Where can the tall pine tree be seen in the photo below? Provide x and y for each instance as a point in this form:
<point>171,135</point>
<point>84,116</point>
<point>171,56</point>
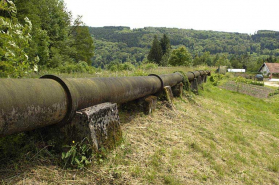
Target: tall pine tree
<point>166,48</point>
<point>155,53</point>
<point>165,44</point>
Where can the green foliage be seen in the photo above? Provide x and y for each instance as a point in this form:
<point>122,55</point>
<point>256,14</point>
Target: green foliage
<point>6,69</point>
<point>166,48</point>
<point>186,83</point>
<point>204,59</point>
<point>165,44</point>
<point>116,66</point>
<point>206,47</point>
<point>222,61</point>
<point>49,42</point>
<point>274,93</point>
<point>180,57</point>
<point>148,66</point>
<point>215,79</point>
<point>24,147</point>
<point>14,41</point>
<point>81,67</point>
<point>139,72</point>
<point>82,43</point>
<point>79,155</point>
<point>155,53</point>
<point>8,149</point>
<point>240,79</point>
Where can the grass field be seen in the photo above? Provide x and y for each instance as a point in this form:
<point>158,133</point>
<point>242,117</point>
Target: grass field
<point>217,137</point>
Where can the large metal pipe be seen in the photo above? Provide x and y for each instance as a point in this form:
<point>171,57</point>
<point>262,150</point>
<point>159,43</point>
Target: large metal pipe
<point>26,104</point>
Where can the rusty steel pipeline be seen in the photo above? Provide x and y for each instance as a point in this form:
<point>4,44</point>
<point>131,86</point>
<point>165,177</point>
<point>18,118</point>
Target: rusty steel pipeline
<point>26,104</point>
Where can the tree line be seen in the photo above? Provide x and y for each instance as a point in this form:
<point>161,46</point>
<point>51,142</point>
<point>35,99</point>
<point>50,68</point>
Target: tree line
<point>41,34</point>
<point>122,44</point>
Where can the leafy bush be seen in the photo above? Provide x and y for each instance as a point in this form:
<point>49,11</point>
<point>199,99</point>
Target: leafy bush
<point>14,41</point>
<point>139,72</point>
<point>215,78</point>
<point>127,66</point>
<point>274,93</point>
<point>149,66</point>
<point>248,81</point>
<point>180,57</point>
<point>116,66</point>
<point>79,155</point>
<point>5,69</point>
<point>81,67</point>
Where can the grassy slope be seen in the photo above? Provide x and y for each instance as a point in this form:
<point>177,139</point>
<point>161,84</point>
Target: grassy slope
<point>219,137</point>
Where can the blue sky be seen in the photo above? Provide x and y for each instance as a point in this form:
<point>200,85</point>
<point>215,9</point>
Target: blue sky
<point>244,16</point>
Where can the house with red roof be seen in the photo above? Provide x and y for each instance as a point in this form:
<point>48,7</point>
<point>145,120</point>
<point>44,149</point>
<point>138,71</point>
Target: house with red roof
<point>270,69</point>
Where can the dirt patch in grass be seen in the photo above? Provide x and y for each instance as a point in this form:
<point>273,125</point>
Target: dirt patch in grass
<point>252,90</point>
<point>272,84</point>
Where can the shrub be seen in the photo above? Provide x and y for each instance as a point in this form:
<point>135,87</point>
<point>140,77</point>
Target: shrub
<point>5,69</point>
<point>248,81</point>
<point>215,78</point>
<point>116,66</point>
<point>81,67</point>
<point>149,66</point>
<point>127,66</point>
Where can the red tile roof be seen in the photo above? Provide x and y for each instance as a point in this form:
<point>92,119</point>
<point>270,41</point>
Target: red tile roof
<point>273,67</point>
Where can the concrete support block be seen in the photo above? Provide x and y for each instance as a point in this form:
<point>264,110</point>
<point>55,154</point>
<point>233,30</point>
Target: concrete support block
<point>99,124</point>
<point>177,90</point>
<point>146,104</point>
<point>199,80</point>
<point>150,103</point>
<point>202,78</point>
<point>195,86</point>
<point>168,94</point>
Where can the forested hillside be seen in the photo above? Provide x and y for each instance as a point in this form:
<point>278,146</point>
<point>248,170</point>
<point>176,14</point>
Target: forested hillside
<point>42,35</point>
<point>122,44</point>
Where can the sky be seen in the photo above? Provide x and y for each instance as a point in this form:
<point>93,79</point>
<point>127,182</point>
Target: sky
<point>243,16</point>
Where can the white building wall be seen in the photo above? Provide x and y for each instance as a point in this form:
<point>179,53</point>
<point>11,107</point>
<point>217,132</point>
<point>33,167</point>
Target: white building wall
<point>264,70</point>
<point>236,70</point>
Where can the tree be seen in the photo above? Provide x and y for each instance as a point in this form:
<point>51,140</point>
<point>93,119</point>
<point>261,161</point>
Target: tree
<point>82,42</point>
<point>223,61</point>
<point>50,40</point>
<point>204,59</point>
<point>235,63</point>
<point>54,40</point>
<point>166,47</point>
<point>165,44</point>
<point>155,53</point>
<point>14,41</point>
<point>180,57</point>
<point>39,44</point>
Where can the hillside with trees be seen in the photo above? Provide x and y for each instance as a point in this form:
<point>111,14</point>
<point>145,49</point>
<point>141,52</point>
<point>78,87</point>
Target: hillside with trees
<point>43,35</point>
<point>238,50</point>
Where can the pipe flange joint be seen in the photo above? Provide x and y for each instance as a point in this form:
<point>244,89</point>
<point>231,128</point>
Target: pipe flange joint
<point>193,74</point>
<point>162,83</point>
<point>71,95</point>
<point>203,72</point>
